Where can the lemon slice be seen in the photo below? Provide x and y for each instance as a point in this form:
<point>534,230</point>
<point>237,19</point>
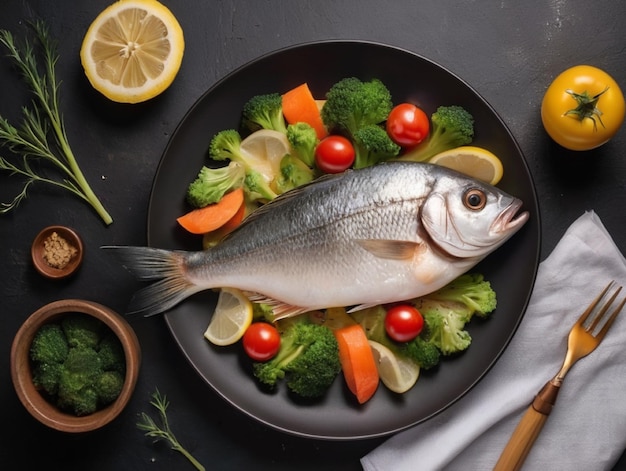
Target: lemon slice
<point>476,162</point>
<point>133,50</point>
<point>266,148</point>
<point>397,373</point>
<point>232,316</point>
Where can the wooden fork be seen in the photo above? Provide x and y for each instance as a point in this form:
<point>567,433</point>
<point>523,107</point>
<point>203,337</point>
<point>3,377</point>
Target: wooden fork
<point>581,342</point>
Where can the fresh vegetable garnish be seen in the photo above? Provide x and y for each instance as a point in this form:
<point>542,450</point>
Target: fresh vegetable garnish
<point>133,50</point>
<point>299,106</point>
<point>264,112</point>
<point>451,126</point>
<point>407,125</point>
<point>261,341</point>
<point>357,362</point>
<point>307,359</point>
<point>334,154</point>
<point>403,322</point>
<point>162,430</point>
<point>582,108</point>
<point>213,183</point>
<point>214,216</point>
<point>42,134</point>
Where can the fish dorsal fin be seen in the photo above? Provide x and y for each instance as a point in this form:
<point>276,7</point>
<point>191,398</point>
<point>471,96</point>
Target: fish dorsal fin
<point>391,249</point>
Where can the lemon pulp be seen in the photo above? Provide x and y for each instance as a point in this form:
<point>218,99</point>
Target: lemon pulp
<point>397,374</point>
<point>265,149</point>
<point>232,316</point>
<point>133,50</point>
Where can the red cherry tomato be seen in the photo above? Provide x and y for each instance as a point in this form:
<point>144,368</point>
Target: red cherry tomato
<point>407,125</point>
<point>334,154</point>
<point>261,341</point>
<point>403,322</point>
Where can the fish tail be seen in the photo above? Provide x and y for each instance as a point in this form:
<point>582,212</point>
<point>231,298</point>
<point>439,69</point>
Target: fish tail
<point>166,268</point>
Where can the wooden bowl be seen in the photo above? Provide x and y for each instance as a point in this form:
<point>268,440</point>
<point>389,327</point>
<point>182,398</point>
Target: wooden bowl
<point>36,404</point>
<point>39,252</point>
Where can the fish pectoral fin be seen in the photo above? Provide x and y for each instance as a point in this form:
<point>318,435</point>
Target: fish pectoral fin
<point>391,249</point>
<point>361,307</point>
<point>280,309</point>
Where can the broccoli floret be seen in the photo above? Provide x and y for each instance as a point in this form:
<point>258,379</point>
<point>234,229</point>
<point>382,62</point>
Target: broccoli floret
<point>212,183</point>
<point>82,330</point>
<point>423,352</point>
<point>293,173</point>
<point>46,377</point>
<point>446,325</point>
<point>77,381</point>
<point>303,140</point>
<point>226,145</point>
<point>352,104</point>
<point>263,312</point>
<point>308,358</point>
<point>257,188</point>
<point>108,386</point>
<point>49,345</point>
<point>264,112</point>
<point>372,145</point>
<point>451,126</point>
<point>111,354</point>
<point>472,290</point>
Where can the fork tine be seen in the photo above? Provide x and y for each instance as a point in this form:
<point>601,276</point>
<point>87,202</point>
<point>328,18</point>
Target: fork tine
<point>594,303</point>
<point>609,322</point>
<point>598,317</point>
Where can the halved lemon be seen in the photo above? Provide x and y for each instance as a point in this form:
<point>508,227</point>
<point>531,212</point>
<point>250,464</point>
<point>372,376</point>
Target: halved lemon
<point>397,373</point>
<point>265,149</point>
<point>232,316</point>
<point>133,50</point>
<point>474,161</point>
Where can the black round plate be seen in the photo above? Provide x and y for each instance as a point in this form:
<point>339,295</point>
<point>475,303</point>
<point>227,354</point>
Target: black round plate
<point>511,269</point>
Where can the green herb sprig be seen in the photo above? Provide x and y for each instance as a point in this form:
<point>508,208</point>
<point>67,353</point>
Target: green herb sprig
<point>41,135</point>
<point>162,431</point>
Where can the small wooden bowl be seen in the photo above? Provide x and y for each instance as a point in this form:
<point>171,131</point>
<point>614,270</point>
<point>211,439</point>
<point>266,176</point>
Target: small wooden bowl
<point>32,399</point>
<point>38,252</point>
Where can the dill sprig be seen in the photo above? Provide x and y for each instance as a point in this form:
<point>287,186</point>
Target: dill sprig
<point>41,135</point>
<point>162,431</point>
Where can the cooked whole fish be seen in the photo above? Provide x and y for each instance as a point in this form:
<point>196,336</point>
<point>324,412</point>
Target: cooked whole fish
<point>378,235</point>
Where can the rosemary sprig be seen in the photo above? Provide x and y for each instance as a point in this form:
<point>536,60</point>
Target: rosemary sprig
<point>163,431</point>
<point>41,134</point>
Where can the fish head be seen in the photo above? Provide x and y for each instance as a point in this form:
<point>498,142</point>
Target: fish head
<point>466,218</point>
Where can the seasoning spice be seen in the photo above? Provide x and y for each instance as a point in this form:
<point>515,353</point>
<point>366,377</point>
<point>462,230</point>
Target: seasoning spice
<point>58,252</point>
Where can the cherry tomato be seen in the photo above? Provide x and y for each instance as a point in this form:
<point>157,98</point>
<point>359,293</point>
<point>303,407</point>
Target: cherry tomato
<point>582,108</point>
<point>407,125</point>
<point>261,341</point>
<point>403,322</point>
<point>334,154</point>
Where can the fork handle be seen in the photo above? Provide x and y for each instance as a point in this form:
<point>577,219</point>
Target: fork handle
<point>528,429</point>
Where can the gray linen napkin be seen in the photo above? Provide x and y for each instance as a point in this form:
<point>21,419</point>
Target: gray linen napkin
<point>587,427</point>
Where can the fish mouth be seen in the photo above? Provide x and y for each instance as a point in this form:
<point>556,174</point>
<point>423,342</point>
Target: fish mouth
<point>510,220</point>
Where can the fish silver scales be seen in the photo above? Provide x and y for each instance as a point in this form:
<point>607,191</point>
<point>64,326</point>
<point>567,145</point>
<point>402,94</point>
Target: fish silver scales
<point>376,235</point>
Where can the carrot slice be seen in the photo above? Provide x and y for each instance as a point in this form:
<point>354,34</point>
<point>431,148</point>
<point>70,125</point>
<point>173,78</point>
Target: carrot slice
<point>213,216</point>
<point>299,106</point>
<point>357,362</point>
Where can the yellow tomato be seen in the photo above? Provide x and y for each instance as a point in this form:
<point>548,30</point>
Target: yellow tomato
<point>582,108</point>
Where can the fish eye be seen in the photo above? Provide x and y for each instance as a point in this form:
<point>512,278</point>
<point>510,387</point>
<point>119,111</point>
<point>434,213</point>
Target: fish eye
<point>475,199</point>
